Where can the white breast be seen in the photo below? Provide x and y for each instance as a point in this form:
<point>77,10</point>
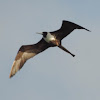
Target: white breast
<point>49,37</point>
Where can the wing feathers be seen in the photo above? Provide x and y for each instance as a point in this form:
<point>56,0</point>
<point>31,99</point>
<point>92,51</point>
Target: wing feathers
<point>66,28</point>
<point>20,60</point>
<point>26,52</point>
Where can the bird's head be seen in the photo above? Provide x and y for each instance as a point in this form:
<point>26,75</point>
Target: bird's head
<point>43,33</point>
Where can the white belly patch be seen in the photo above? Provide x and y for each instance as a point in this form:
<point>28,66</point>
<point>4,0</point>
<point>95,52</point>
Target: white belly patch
<point>49,38</point>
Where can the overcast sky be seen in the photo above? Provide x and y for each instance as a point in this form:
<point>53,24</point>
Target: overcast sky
<point>53,74</point>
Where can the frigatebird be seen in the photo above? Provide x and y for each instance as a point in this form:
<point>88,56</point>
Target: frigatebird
<point>50,39</point>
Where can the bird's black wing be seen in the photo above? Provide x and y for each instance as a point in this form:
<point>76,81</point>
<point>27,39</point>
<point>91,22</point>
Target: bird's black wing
<point>66,28</point>
<point>26,52</point>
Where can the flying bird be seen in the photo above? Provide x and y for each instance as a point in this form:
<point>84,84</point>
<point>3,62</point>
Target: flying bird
<point>49,39</point>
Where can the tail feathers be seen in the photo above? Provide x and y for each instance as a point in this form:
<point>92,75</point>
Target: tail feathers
<point>61,47</point>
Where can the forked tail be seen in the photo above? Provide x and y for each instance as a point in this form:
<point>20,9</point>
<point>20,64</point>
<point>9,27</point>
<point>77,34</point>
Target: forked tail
<point>61,47</point>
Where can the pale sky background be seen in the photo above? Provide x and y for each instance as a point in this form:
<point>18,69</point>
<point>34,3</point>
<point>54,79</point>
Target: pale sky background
<point>53,74</point>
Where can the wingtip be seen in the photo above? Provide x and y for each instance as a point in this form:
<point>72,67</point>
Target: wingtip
<point>87,30</point>
<point>79,27</point>
<point>13,70</point>
<point>10,76</point>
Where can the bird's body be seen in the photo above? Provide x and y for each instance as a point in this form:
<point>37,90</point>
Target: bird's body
<point>50,39</point>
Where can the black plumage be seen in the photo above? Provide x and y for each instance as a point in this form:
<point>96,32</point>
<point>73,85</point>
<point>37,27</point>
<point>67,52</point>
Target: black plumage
<point>50,39</point>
